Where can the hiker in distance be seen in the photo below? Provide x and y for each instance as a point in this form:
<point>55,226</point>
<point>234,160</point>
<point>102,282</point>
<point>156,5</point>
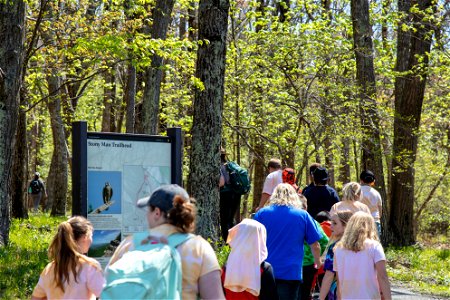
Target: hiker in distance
<point>37,190</point>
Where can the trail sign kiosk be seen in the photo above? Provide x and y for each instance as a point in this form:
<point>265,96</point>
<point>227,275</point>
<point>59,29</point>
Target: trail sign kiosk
<point>110,172</point>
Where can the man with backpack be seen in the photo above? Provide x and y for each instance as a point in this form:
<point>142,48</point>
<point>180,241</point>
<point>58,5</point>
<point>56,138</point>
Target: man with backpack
<point>36,189</point>
<point>234,182</point>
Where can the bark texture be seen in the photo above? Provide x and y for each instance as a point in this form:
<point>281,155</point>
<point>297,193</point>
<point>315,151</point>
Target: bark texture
<point>150,104</point>
<point>207,123</point>
<point>409,93</point>
<point>372,153</point>
<point>12,33</point>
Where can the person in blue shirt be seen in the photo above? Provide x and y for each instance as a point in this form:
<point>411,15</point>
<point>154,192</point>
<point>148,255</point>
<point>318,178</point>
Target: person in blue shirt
<point>288,227</point>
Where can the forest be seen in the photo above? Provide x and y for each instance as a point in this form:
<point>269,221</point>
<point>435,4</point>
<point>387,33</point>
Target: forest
<point>352,84</point>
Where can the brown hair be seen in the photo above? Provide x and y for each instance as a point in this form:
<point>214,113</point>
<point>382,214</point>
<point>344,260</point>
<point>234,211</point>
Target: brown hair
<point>274,163</point>
<point>63,250</point>
<point>183,214</point>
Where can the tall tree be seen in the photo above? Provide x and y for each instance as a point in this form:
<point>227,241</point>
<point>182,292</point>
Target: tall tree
<point>208,106</point>
<point>412,64</point>
<point>372,158</point>
<point>150,103</point>
<point>12,24</point>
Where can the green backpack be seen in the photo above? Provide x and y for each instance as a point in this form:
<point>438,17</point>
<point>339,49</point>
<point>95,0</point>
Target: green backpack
<point>151,271</point>
<point>239,180</point>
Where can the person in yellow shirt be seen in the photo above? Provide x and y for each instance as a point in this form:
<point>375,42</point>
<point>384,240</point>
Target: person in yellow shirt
<point>170,210</point>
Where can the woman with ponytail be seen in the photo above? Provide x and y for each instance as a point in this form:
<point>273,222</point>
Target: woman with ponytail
<point>169,211</point>
<point>70,274</point>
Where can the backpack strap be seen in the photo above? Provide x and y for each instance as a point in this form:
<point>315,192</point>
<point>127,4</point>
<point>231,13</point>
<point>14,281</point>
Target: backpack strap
<point>141,242</point>
<point>177,239</point>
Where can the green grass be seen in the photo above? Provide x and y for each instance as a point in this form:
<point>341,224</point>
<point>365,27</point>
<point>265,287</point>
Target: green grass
<point>425,269</point>
<point>23,259</point>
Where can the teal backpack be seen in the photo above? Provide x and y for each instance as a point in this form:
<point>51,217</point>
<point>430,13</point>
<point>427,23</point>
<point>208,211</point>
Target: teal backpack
<point>151,271</point>
<point>239,179</point>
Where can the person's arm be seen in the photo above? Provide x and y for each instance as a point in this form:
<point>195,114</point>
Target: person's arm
<point>338,289</point>
<point>37,298</point>
<point>326,284</point>
<point>383,280</point>
<point>221,181</point>
<point>262,202</point>
<point>210,287</point>
<point>315,250</point>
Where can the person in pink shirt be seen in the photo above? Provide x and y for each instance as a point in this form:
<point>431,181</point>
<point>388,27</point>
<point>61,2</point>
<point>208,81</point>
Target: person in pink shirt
<point>359,261</point>
<point>70,274</point>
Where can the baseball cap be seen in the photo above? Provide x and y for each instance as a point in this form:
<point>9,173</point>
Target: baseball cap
<point>320,174</point>
<point>37,174</point>
<point>367,176</point>
<point>163,196</point>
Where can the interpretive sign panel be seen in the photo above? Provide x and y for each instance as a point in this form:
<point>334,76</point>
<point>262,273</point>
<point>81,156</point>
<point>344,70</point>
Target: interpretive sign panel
<point>119,170</point>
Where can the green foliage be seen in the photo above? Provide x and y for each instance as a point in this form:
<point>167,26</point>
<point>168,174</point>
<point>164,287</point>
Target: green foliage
<point>424,269</point>
<point>24,258</point>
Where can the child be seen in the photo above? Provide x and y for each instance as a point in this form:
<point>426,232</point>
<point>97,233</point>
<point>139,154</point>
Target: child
<point>70,274</point>
<point>246,274</point>
<point>338,222</point>
<point>324,219</point>
<point>310,271</point>
<point>360,263</point>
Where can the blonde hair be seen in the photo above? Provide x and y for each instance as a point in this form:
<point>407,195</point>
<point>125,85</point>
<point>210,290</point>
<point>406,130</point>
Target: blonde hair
<point>351,192</point>
<point>64,250</point>
<point>360,227</point>
<point>285,194</point>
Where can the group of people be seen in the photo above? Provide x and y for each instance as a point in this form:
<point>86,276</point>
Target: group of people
<point>275,255</point>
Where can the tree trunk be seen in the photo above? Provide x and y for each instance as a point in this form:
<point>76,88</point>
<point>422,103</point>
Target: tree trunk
<point>150,101</point>
<point>108,101</point>
<point>409,93</point>
<point>58,173</point>
<point>130,98</point>
<point>344,170</point>
<point>12,33</point>
<point>19,180</point>
<point>372,153</point>
<point>207,122</point>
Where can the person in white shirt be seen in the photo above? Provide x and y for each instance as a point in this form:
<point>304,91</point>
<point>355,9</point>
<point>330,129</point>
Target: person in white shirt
<point>272,180</point>
<point>371,197</point>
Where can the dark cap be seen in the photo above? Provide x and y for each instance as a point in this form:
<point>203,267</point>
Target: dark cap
<point>320,174</point>
<point>367,176</point>
<point>163,196</point>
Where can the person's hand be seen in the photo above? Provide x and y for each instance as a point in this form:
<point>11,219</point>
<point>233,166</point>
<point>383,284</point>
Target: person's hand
<point>318,264</point>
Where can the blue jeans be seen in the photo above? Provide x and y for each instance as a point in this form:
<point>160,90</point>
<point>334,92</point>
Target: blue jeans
<point>288,289</point>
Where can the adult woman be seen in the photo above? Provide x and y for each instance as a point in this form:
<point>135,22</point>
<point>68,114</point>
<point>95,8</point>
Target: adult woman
<point>70,274</point>
<point>169,210</point>
<point>351,194</point>
<point>284,219</point>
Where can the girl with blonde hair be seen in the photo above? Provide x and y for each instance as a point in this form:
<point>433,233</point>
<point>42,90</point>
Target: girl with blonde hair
<point>360,263</point>
<point>351,196</point>
<point>338,224</point>
<point>70,274</point>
